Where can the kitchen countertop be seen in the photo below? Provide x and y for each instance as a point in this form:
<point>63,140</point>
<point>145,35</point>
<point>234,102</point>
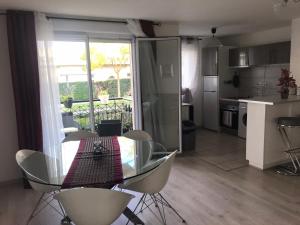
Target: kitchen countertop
<point>229,99</point>
<point>271,100</point>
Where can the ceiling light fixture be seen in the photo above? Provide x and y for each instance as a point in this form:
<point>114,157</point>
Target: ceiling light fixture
<point>213,41</point>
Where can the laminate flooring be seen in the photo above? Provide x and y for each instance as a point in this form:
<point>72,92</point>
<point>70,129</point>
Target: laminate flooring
<point>203,193</point>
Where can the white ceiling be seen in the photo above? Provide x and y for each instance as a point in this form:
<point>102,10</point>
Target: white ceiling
<point>232,15</point>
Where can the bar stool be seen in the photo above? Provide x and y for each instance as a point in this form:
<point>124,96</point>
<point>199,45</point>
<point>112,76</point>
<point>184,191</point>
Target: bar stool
<point>283,123</point>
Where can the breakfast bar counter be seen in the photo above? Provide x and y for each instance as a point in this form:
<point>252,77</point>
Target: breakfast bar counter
<point>271,100</point>
<point>264,146</point>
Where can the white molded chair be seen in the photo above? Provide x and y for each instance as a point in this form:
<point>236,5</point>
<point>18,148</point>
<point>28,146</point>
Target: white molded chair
<point>138,135</point>
<point>36,172</point>
<point>150,184</point>
<point>93,206</point>
<point>82,134</point>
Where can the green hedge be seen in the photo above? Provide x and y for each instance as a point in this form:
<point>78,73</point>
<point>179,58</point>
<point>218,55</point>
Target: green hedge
<point>80,91</point>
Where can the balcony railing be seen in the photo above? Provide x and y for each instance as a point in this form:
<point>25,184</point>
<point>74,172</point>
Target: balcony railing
<point>113,109</point>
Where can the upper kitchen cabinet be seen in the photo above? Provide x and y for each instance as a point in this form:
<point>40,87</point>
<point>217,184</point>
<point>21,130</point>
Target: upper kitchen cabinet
<point>278,53</point>
<point>210,61</point>
<point>239,57</point>
<point>259,55</point>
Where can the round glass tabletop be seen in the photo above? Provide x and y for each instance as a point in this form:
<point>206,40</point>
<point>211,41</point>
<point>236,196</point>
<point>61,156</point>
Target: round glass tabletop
<point>135,158</point>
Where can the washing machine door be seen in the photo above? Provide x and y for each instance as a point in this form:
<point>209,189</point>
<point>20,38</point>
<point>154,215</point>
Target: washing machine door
<point>242,120</point>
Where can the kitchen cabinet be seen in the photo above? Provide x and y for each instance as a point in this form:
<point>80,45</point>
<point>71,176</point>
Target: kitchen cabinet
<point>259,55</point>
<point>239,57</point>
<point>277,53</point>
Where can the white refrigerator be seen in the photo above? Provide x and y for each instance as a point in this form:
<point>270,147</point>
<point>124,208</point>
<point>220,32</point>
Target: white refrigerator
<point>210,103</point>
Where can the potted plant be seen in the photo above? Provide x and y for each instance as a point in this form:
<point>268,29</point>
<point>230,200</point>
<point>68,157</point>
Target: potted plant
<point>67,101</point>
<point>286,82</point>
<point>103,96</point>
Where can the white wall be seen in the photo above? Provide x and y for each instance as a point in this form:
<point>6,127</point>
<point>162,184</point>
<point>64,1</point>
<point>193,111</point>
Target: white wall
<point>295,50</point>
<point>8,132</point>
<point>94,29</point>
<point>167,29</point>
<point>259,38</point>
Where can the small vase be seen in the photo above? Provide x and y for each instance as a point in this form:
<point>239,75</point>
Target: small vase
<point>284,92</point>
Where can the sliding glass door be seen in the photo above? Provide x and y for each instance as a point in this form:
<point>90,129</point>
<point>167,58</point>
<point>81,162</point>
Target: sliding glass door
<point>71,67</point>
<point>95,78</point>
<point>94,81</point>
<point>158,89</point>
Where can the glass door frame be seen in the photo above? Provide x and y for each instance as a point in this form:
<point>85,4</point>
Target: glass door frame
<point>87,38</point>
<point>137,109</point>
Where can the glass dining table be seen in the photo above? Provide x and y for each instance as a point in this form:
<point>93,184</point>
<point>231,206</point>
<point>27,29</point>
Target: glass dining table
<point>79,164</point>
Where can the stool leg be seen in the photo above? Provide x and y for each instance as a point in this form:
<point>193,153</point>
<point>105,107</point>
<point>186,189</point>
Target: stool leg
<point>297,160</point>
<point>289,149</point>
<point>292,155</point>
<point>292,159</point>
<point>296,157</point>
<point>285,137</point>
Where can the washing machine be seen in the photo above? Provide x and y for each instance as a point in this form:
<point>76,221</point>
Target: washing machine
<point>242,127</point>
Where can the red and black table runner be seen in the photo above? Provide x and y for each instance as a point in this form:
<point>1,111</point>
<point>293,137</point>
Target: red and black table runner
<point>90,170</point>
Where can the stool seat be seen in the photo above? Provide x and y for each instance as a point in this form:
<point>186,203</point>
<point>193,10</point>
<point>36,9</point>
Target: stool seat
<point>289,121</point>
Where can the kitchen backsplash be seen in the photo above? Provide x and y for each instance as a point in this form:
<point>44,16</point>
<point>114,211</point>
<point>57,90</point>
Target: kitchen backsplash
<point>260,81</point>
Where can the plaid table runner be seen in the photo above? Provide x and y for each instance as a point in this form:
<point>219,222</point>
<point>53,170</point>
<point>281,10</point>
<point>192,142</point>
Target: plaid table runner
<point>90,170</point>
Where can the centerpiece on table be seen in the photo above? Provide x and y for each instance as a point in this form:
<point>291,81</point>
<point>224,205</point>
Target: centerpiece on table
<point>287,84</point>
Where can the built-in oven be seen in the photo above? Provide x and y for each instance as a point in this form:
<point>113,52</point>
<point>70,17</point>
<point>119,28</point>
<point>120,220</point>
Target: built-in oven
<point>229,116</point>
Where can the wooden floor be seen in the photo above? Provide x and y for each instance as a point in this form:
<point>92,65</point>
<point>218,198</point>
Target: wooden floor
<point>203,193</point>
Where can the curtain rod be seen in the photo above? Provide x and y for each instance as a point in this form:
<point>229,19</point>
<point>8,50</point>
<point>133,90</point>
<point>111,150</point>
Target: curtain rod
<point>85,19</point>
<point>91,20</point>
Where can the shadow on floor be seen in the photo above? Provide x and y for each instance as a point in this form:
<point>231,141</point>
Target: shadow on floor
<point>225,151</point>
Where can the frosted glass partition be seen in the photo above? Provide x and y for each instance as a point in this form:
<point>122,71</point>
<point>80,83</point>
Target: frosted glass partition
<point>159,76</point>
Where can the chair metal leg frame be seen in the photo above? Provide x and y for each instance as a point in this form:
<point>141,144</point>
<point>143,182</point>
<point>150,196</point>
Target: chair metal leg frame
<point>65,220</point>
<point>145,203</point>
<point>160,203</point>
<point>46,202</point>
<point>147,206</point>
<point>161,211</point>
<point>34,209</point>
<point>137,205</point>
<point>171,207</point>
<point>291,152</point>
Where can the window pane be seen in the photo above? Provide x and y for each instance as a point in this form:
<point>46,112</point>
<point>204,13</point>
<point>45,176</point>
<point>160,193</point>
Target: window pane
<point>70,61</point>
<point>111,76</point>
